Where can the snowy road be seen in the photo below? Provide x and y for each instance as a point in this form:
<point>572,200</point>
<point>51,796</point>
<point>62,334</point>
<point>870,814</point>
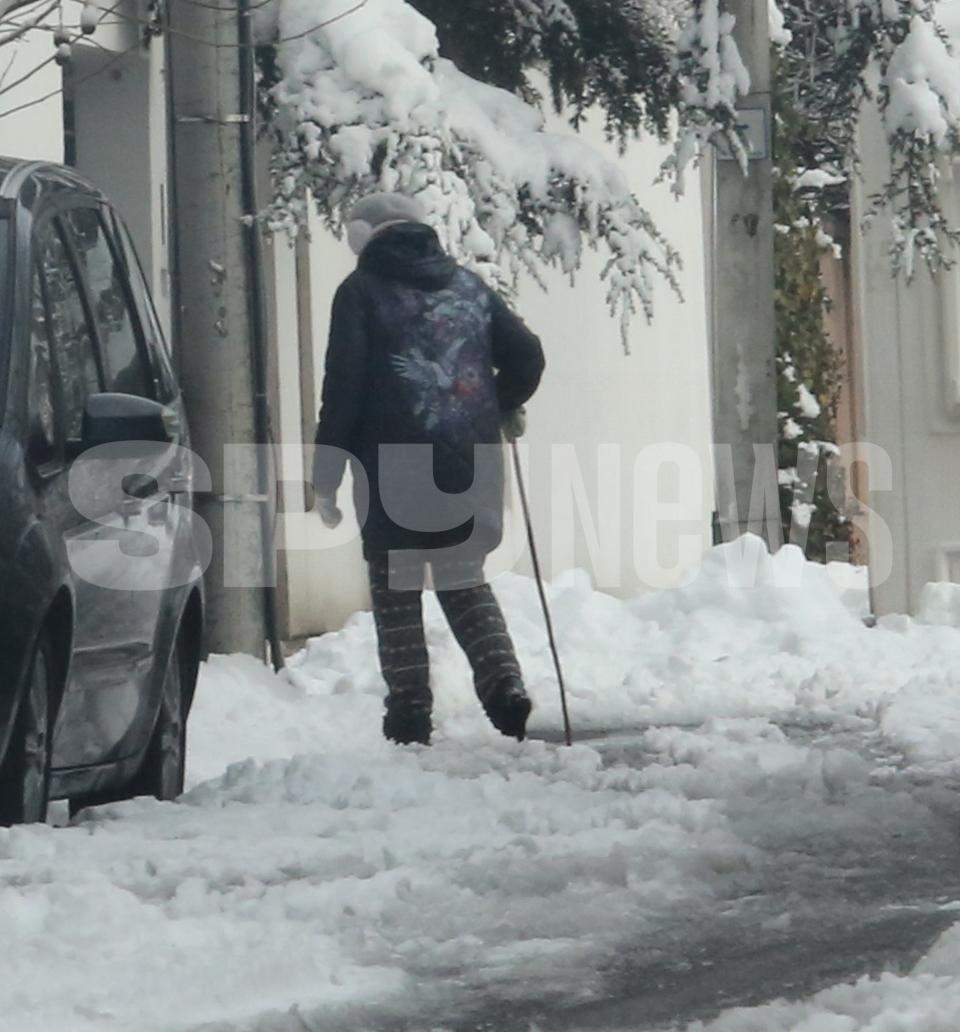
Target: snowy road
<point>825,912</point>
<point>795,782</point>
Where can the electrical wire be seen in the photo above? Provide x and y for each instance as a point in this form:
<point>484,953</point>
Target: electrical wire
<point>150,24</point>
<point>24,27</point>
<point>9,8</point>
<point>241,46</point>
<point>6,71</point>
<point>53,93</point>
<point>231,9</point>
<point>27,75</point>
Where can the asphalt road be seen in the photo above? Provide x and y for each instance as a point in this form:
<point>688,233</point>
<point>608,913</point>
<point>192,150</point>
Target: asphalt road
<point>853,912</point>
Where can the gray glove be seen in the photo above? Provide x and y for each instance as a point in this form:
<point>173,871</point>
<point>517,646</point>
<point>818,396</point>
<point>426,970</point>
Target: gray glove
<point>326,505</point>
<point>514,424</point>
<point>328,511</point>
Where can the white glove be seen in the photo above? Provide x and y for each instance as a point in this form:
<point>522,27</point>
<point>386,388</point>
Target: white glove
<point>514,424</point>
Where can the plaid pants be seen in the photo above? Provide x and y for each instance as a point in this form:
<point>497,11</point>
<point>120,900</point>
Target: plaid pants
<point>471,610</point>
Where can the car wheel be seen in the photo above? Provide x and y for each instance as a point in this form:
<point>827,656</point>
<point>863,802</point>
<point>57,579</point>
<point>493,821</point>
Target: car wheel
<point>25,777</point>
<point>163,768</point>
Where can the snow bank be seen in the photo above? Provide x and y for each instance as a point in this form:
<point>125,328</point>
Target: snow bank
<point>748,635</point>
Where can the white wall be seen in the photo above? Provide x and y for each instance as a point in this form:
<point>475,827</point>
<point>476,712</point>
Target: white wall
<point>911,404</point>
<point>121,142</point>
<point>607,407</point>
<point>36,132</point>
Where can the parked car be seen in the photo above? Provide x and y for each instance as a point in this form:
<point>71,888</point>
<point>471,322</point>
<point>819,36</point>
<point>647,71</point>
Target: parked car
<point>101,604</point>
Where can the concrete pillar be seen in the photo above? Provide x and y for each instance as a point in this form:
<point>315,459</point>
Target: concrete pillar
<point>744,346</point>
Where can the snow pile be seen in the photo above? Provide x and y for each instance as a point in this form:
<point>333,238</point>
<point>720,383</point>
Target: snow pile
<point>368,104</point>
<point>940,604</point>
<point>749,635</point>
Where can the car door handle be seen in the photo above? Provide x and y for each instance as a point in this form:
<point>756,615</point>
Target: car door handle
<point>140,486</point>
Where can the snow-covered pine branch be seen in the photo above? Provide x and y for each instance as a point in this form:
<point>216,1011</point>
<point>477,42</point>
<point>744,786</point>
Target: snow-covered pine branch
<point>712,78</point>
<point>366,103</point>
<point>920,98</point>
<point>540,17</point>
<point>827,71</point>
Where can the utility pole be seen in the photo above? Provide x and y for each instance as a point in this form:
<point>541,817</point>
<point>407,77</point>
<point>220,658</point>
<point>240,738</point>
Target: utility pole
<point>744,339</point>
<point>215,322</point>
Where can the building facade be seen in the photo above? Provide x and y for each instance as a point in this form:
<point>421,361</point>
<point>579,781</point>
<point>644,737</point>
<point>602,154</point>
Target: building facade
<point>907,343</point>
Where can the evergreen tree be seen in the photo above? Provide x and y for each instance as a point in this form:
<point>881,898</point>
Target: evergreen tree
<point>610,54</point>
<point>809,367</point>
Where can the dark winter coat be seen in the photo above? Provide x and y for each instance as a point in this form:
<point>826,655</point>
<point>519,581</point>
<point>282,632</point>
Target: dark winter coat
<point>421,352</point>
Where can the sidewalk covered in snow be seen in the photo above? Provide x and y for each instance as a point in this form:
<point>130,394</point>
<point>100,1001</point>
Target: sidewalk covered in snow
<point>754,761</point>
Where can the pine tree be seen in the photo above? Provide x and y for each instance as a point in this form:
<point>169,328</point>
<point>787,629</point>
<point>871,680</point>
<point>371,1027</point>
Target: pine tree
<point>809,367</point>
<point>610,54</point>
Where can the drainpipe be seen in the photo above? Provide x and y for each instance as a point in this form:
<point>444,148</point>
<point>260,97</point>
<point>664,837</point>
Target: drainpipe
<point>259,336</point>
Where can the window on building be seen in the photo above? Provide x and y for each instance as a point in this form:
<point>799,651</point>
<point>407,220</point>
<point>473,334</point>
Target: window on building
<point>68,330</point>
<point>120,350</point>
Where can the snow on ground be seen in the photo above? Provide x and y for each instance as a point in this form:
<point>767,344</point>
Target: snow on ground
<point>313,866</point>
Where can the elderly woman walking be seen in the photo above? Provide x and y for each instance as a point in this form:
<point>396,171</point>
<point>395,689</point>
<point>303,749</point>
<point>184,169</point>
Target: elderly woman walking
<point>426,367</point>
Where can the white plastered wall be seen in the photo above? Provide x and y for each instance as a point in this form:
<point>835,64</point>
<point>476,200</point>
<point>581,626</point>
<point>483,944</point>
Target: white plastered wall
<point>30,127</point>
<point>911,399</point>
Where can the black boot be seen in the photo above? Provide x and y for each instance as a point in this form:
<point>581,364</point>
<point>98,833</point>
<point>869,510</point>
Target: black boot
<point>508,706</point>
<point>405,724</point>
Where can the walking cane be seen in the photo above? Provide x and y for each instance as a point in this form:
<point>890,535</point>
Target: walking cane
<point>525,505</point>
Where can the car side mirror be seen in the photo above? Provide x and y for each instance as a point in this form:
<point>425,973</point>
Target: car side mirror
<point>114,418</point>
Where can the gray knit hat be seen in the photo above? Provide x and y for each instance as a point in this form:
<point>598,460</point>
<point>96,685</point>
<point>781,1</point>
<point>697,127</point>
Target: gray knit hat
<point>376,213</point>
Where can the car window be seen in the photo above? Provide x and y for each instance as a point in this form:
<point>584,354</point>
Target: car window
<point>68,329</point>
<point>5,282</point>
<point>41,387</point>
<point>123,365</point>
<point>159,351</point>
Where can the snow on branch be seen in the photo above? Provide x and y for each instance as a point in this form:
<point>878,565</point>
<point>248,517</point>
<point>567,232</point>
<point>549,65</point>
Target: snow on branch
<point>920,100</point>
<point>366,103</point>
<point>712,79</point>
<point>898,53</point>
<point>541,17</point>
